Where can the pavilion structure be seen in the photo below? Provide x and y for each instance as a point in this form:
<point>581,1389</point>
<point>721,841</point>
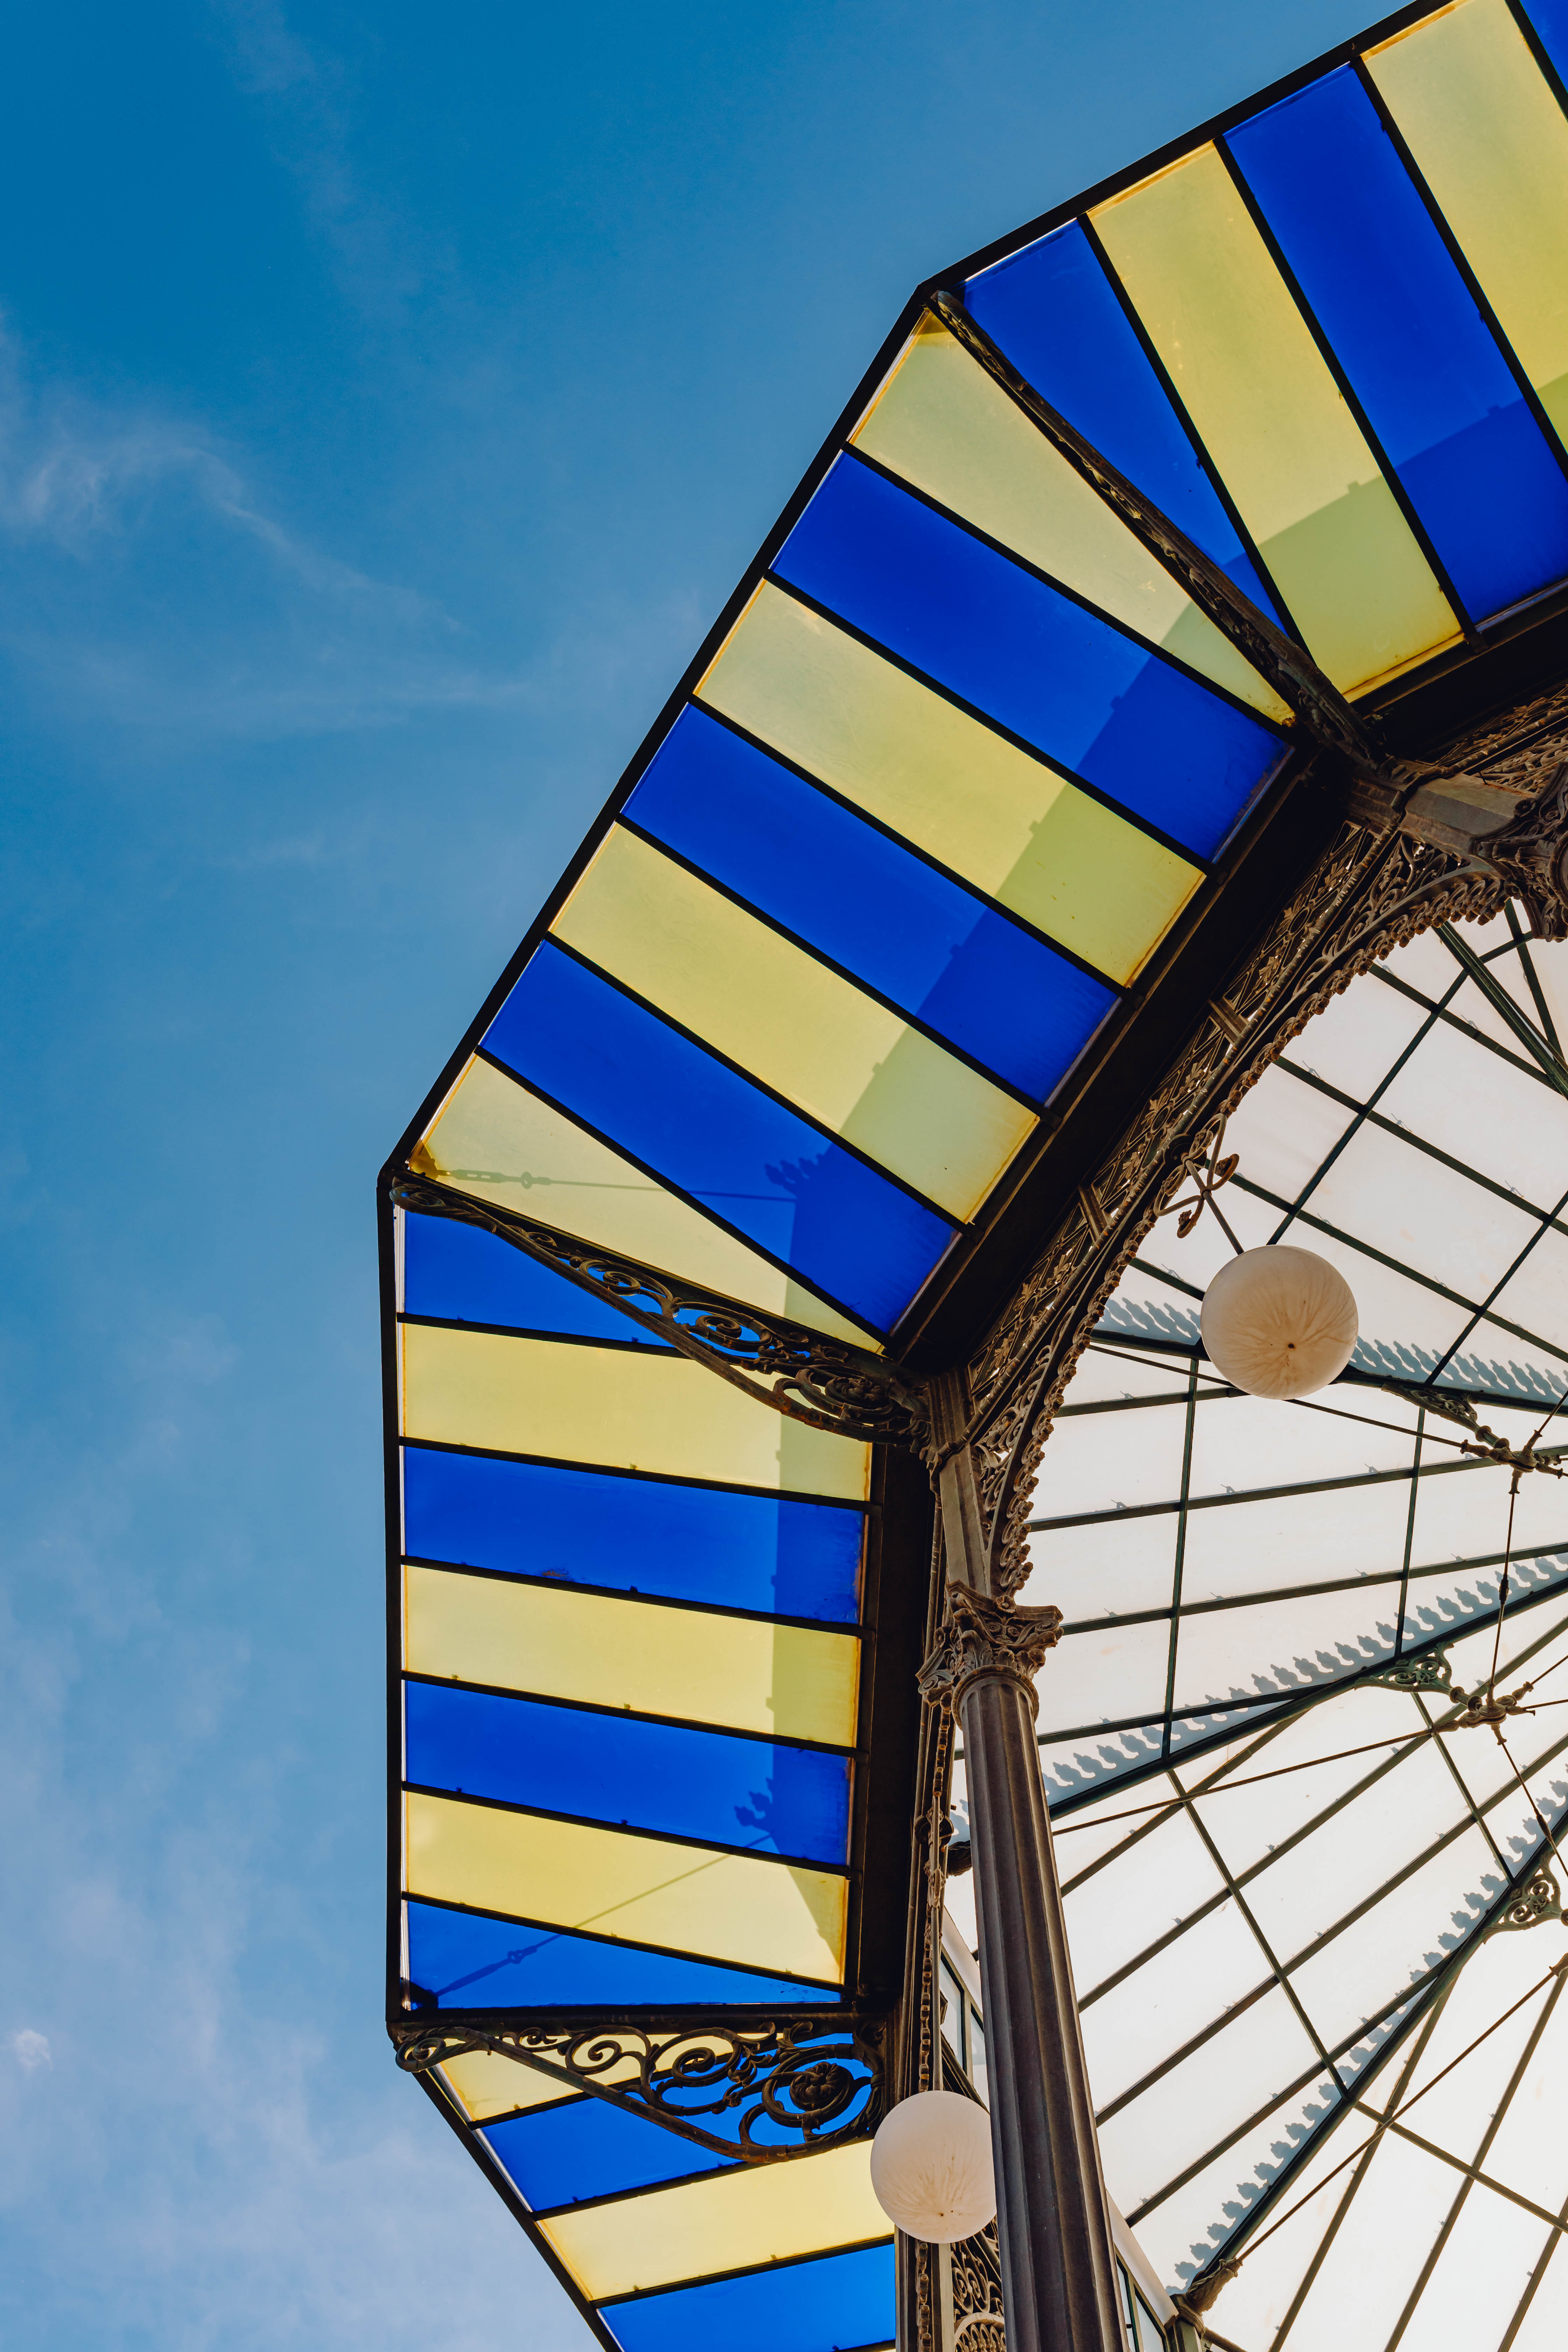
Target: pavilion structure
<point>847,1639</point>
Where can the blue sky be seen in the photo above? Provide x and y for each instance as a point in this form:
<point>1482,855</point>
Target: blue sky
<point>389,397</point>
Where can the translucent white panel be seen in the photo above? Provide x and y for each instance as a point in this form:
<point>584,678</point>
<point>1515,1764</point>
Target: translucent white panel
<point>1423,962</point>
<point>1479,2277</point>
<point>1540,1636</point>
<point>1455,2110</point>
<point>1242,1440</point>
<point>1454,1604</point>
<point>1104,1571</point>
<point>1145,1308</point>
<point>1162,2006</point>
<point>1463,1515</point>
<point>1116,1675</point>
<point>1121,1910</point>
<point>1378,2250</point>
<point>1541,2328</point>
<point>1106,1371</point>
<point>1470,1005</point>
<point>1485,1113</point>
<point>1255,2303</point>
<point>1549,961</point>
<point>1074,1762</point>
<point>1263,1650</point>
<point>1356,1850</point>
<point>1106,1461</point>
<point>1421,1214</point>
<point>1089,1832</point>
<point>1405,1329</point>
<point>1498,1362</point>
<point>1196,2105</point>
<point>1198,1256</point>
<point>1535,1297</point>
<point>1247,1822</point>
<point>1415,1928</point>
<point>1285,1128</point>
<point>1186,2227</point>
<point>1356,1041</point>
<point>1298,1539</point>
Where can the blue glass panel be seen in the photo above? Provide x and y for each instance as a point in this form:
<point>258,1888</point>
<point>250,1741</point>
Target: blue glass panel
<point>591,2150</point>
<point>836,2304</point>
<point>683,1543</point>
<point>647,1775</point>
<point>1419,356</point>
<point>930,946</point>
<point>463,1275</point>
<point>842,1228</point>
<point>1145,734</point>
<point>1549,19</point>
<point>1055,313</point>
<point>471,1961</point>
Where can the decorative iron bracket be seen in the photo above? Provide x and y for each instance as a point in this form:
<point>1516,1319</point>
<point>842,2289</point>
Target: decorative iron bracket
<point>804,1374</point>
<point>1537,1900</point>
<point>1519,837</point>
<point>1432,1672</point>
<point>807,2084</point>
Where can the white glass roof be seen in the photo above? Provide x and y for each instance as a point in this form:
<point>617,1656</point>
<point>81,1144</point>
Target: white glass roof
<point>1284,1872</point>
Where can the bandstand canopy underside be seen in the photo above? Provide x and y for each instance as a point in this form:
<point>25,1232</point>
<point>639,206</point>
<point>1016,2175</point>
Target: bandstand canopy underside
<point>963,809</point>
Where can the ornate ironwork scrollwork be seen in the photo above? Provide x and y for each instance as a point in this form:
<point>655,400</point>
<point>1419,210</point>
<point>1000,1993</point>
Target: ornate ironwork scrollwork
<point>974,2271</point>
<point>801,1373</point>
<point>1432,1672</point>
<point>768,2092</point>
<point>1535,1904</point>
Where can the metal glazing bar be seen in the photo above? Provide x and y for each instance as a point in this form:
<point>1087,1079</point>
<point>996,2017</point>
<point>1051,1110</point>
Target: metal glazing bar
<point>1322,711</point>
<point>1504,1005</point>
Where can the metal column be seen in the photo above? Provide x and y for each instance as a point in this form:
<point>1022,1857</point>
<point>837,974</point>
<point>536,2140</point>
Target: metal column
<point>1058,2270</point>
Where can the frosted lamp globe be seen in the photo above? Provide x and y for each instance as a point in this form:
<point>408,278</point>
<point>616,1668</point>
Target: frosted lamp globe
<point>930,2167</point>
<point>1279,1322</point>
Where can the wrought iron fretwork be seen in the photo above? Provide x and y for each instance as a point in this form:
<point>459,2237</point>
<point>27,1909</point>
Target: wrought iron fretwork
<point>762,2094</point>
<point>802,1373</point>
<point>974,2269</point>
<point>1531,1906</point>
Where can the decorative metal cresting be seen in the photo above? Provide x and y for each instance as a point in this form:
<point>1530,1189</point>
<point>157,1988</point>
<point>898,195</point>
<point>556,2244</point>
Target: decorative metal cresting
<point>763,2093</point>
<point>801,1373</point>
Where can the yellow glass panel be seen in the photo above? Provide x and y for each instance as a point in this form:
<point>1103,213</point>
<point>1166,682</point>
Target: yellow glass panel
<point>494,1139</point>
<point>943,425</point>
<point>802,1029</point>
<point>727,1906</point>
<point>487,2084</point>
<point>1275,423</point>
<point>1006,821</point>
<point>740,1674</point>
<point>627,1411</point>
<point>1491,142</point>
<point>741,2219</point>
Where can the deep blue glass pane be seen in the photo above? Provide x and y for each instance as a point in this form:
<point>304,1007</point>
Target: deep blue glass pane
<point>685,1543</point>
<point>463,1275</point>
<point>647,1775</point>
<point>1094,701</point>
<point>470,1961</point>
<point>591,2149</point>
<point>1549,19</point>
<point>1419,356</point>
<point>1054,312</point>
<point>932,947</point>
<point>836,2305</point>
<point>672,1106</point>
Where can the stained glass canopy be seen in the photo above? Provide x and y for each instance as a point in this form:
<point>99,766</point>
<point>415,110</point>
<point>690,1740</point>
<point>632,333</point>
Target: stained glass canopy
<point>985,787</point>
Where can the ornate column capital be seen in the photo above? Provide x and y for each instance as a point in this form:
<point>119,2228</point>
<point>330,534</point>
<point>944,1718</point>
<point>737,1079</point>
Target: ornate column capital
<point>980,1637</point>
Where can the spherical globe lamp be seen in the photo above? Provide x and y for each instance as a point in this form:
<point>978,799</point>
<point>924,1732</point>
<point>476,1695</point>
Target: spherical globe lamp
<point>1279,1322</point>
<point>930,2167</point>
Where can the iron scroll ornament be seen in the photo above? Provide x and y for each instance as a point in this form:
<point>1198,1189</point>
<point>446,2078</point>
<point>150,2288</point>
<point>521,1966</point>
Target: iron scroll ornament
<point>784,2089</point>
<point>804,1374</point>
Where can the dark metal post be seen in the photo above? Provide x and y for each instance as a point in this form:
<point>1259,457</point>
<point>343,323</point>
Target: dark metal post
<point>1058,2273</point>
